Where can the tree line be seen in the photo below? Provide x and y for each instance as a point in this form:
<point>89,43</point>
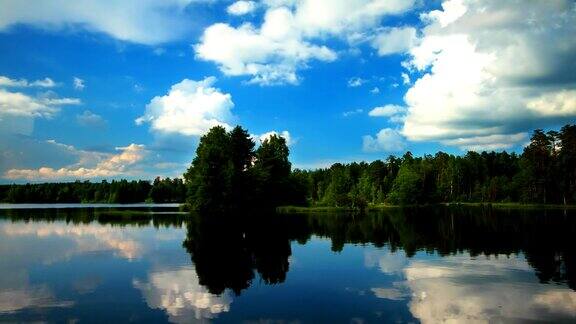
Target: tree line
<point>230,172</point>
<point>545,173</point>
<point>123,191</point>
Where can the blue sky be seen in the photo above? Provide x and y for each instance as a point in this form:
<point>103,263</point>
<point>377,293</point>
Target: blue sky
<point>99,90</point>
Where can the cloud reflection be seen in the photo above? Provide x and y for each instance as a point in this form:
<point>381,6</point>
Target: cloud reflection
<point>387,261</point>
<point>88,237</point>
<point>13,300</point>
<point>465,289</point>
<point>181,295</point>
<point>460,289</point>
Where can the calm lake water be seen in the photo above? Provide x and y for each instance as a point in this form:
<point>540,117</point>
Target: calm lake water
<point>153,265</point>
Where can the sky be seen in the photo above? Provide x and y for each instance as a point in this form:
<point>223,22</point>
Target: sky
<point>94,90</point>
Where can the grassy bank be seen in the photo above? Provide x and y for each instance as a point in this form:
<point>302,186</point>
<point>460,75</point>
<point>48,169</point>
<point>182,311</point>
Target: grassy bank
<point>512,205</point>
<point>327,209</point>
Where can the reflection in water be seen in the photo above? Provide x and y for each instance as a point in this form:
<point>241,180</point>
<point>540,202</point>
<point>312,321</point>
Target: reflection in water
<point>40,296</point>
<point>486,289</point>
<point>227,250</point>
<point>86,237</point>
<point>386,260</point>
<point>181,295</point>
<point>38,259</point>
<point>429,265</point>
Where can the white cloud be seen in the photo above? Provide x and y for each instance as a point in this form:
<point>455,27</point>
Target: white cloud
<point>128,20</point>
<point>405,78</point>
<point>387,140</point>
<point>20,104</point>
<point>109,165</point>
<point>90,119</point>
<point>44,83</point>
<point>287,39</point>
<point>355,82</point>
<point>394,40</point>
<point>22,83</point>
<point>242,7</point>
<point>7,82</point>
<point>494,142</point>
<point>270,55</point>
<point>78,83</point>
<point>375,90</point>
<point>285,134</point>
<point>189,108</point>
<point>386,111</point>
<point>485,74</point>
<point>558,103</point>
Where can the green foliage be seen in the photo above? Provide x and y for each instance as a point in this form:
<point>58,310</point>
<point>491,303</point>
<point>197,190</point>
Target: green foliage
<point>209,179</point>
<point>407,187</point>
<point>122,191</point>
<point>227,173</point>
<point>544,173</point>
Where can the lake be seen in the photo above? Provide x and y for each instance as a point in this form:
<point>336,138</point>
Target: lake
<point>153,264</point>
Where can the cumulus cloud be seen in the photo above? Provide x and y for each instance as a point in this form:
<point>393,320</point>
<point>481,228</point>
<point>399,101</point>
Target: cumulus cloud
<point>395,113</point>
<point>109,165</point>
<point>128,20</point>
<point>288,37</point>
<point>78,83</point>
<point>23,105</point>
<point>90,119</point>
<point>375,90</point>
<point>285,134</point>
<point>190,108</point>
<point>270,55</point>
<point>240,8</point>
<point>485,75</point>
<point>395,40</point>
<point>387,140</point>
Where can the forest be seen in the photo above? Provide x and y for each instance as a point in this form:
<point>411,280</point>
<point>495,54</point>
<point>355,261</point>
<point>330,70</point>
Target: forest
<point>158,191</point>
<point>231,172</point>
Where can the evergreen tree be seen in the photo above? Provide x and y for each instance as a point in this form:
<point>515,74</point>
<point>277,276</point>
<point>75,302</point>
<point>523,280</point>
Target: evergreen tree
<point>209,179</point>
<point>272,171</point>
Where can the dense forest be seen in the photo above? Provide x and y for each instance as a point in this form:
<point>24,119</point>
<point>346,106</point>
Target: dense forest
<point>231,172</point>
<point>123,191</point>
<point>544,173</point>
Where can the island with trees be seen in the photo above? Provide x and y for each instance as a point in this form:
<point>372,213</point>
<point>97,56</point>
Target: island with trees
<point>231,172</point>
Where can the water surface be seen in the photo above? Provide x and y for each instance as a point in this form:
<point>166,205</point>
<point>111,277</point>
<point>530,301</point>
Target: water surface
<point>152,265</point>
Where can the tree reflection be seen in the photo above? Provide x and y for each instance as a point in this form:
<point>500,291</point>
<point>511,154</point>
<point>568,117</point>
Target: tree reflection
<point>228,250</point>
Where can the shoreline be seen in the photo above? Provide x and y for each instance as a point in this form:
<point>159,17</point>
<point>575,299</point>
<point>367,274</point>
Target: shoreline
<point>328,209</point>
